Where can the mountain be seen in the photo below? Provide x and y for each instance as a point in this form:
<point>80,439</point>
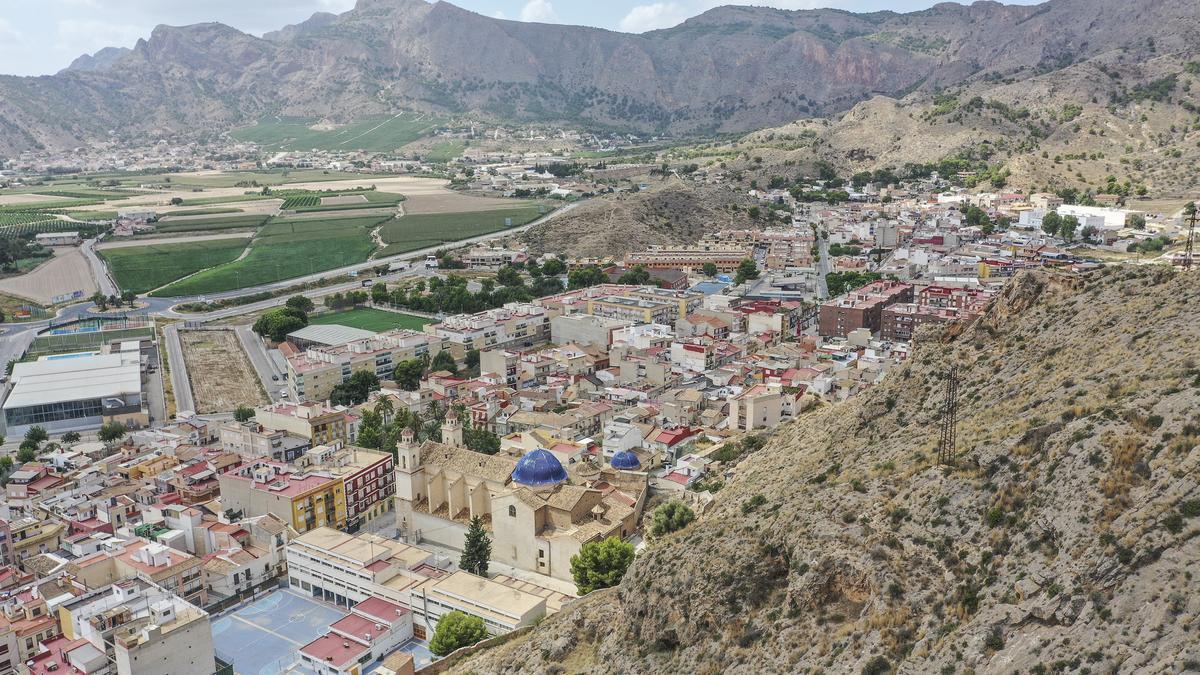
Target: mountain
<point>1065,539</point>
<point>730,69</point>
<point>101,60</point>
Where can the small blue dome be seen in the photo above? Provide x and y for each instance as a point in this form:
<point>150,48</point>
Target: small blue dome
<point>625,460</point>
<point>539,468</point>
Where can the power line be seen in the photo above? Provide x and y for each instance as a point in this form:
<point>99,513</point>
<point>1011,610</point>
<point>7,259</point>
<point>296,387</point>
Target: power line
<point>946,444</point>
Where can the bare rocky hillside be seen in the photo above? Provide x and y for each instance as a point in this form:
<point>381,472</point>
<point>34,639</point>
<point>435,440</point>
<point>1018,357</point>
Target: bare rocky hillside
<point>669,212</point>
<point>1066,540</point>
<point>1124,117</point>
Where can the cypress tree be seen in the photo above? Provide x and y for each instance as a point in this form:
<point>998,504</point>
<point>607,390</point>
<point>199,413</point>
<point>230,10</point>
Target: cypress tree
<point>477,549</point>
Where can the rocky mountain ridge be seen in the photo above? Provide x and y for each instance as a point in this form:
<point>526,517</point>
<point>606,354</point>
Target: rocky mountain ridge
<point>731,69</point>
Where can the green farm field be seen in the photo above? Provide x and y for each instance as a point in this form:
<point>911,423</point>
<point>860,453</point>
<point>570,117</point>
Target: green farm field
<point>367,318</point>
<point>285,249</point>
<point>207,224</point>
<point>379,134</point>
<point>411,233</point>
<point>144,268</point>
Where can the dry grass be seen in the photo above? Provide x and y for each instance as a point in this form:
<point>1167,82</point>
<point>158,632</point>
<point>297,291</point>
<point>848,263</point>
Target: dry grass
<point>221,374</point>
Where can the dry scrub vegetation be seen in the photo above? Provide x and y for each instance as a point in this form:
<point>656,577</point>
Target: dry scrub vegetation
<point>1065,540</point>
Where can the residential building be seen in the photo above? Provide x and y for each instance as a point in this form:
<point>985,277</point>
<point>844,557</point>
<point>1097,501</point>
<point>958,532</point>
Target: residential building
<point>305,499</point>
<point>313,373</point>
<point>314,421</point>
<point>515,326</point>
<point>862,308</point>
<point>758,407</point>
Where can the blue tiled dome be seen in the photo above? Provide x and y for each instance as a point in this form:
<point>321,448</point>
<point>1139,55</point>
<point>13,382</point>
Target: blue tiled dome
<point>538,469</point>
<point>625,460</point>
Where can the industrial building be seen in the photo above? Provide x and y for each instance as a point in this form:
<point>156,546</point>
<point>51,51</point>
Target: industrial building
<point>75,392</point>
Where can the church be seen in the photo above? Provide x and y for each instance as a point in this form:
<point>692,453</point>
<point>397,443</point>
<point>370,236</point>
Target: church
<point>537,512</point>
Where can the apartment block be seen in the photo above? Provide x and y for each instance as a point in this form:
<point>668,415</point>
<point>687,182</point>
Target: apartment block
<point>862,308</point>
<point>313,373</point>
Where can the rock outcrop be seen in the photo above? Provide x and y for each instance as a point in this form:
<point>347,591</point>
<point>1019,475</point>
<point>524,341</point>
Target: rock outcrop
<point>1065,539</point>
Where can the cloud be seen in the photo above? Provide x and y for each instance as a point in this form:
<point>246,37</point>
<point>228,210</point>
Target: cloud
<point>539,11</point>
<point>89,35</point>
<point>653,17</point>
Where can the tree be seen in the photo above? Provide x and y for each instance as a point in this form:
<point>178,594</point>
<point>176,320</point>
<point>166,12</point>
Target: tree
<point>472,360</point>
<point>37,435</point>
<point>747,270</point>
<point>128,297</point>
<point>100,300</point>
<point>456,630</point>
<point>637,276</point>
<point>26,453</point>
<point>585,277</point>
<point>444,361</point>
<point>1137,221</point>
<point>275,324</point>
<point>553,267</point>
<point>477,549</point>
<point>356,389</point>
<point>1051,222</point>
<point>301,303</point>
<point>709,269</point>
<point>111,432</point>
<point>671,517</point>
<point>601,564</point>
<point>6,464</point>
<point>243,413</point>
<point>1088,232</point>
<point>176,201</point>
<point>1068,227</point>
<point>509,276</point>
<point>481,441</point>
<point>70,437</point>
<point>408,374</point>
<point>370,430</point>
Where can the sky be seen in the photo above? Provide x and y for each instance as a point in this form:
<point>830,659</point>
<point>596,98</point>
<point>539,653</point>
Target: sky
<point>40,37</point>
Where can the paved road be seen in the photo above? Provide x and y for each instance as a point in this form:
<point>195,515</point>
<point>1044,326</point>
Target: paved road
<point>99,270</point>
<point>180,383</point>
<point>823,270</point>
<point>272,380</point>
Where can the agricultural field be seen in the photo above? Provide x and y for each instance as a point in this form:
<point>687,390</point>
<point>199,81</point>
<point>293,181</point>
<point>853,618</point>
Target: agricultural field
<point>88,194</point>
<point>412,233</point>
<point>207,224</point>
<point>48,206</point>
<point>221,374</point>
<point>231,199</point>
<point>379,134</point>
<point>93,215</point>
<point>301,201</point>
<point>68,271</point>
<point>367,318</point>
<point>285,249</point>
<point>47,224</point>
<point>144,268</point>
<point>445,151</point>
<point>201,212</point>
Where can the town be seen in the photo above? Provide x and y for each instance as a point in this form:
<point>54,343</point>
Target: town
<point>394,483</point>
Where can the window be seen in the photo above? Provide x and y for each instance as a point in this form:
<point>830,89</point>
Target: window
<point>512,511</point>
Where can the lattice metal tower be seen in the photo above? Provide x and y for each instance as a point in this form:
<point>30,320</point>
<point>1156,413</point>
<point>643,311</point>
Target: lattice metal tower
<point>946,445</point>
<point>1191,240</point>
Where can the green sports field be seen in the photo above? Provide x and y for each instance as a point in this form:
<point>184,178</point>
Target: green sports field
<point>412,233</point>
<point>366,318</point>
<point>144,268</point>
<point>379,134</point>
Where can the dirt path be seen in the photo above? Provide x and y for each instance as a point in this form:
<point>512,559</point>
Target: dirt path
<point>131,243</point>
